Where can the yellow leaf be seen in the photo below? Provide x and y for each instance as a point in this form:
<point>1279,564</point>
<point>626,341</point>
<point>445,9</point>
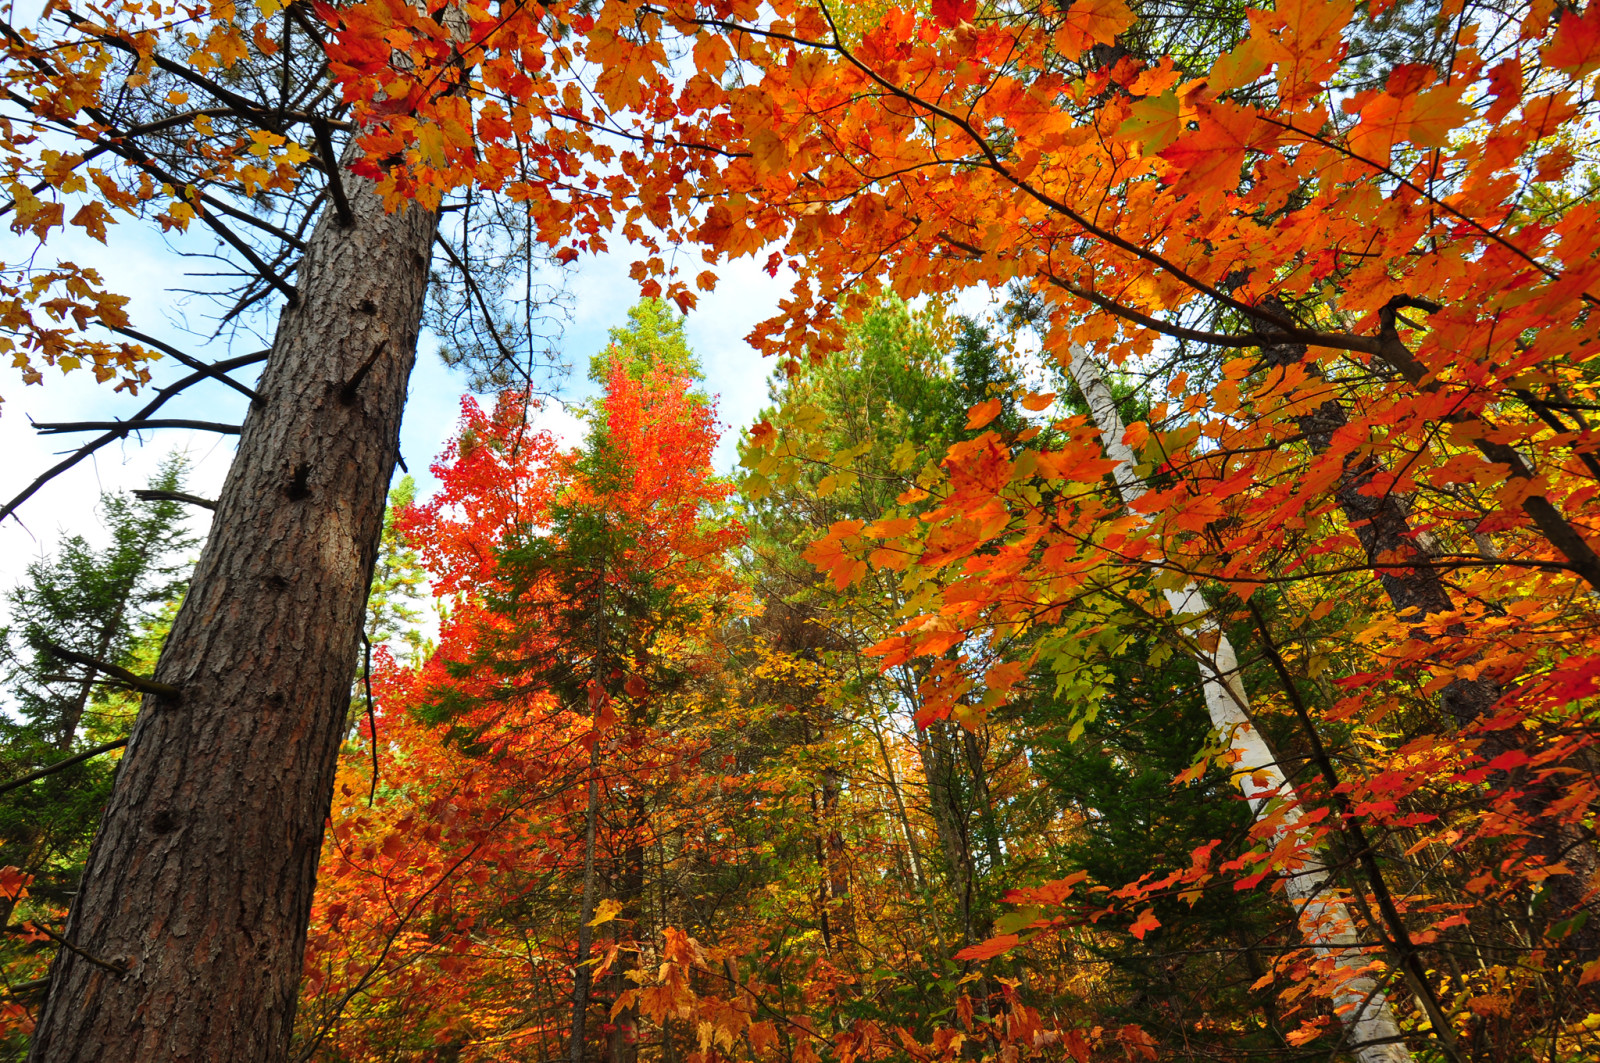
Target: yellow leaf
<point>1154,122</point>
<point>606,910</point>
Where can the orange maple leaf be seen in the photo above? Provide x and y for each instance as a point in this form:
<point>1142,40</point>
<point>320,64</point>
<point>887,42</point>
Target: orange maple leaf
<point>1575,47</point>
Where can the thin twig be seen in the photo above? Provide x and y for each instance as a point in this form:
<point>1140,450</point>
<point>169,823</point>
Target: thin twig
<point>212,371</point>
<point>150,407</point>
<point>372,719</point>
<point>114,968</point>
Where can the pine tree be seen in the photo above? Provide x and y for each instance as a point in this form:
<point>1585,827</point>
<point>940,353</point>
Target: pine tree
<point>112,604</point>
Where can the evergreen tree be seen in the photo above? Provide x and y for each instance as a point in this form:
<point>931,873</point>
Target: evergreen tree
<point>113,604</point>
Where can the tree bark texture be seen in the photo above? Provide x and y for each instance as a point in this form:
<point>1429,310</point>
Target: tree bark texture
<point>1383,526</point>
<point>198,887</point>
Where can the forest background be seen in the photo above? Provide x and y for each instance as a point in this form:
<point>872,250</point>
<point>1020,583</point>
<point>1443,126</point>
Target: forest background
<point>1220,686</point>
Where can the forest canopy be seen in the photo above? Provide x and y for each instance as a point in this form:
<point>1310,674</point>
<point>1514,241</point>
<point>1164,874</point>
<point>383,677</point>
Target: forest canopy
<point>1192,653</point>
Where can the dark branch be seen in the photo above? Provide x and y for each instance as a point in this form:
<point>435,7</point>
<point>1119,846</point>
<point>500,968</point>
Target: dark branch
<point>330,164</point>
<point>117,672</point>
<point>148,495</point>
<point>123,428</point>
<point>89,448</point>
<point>347,394</point>
<point>114,968</point>
<point>87,754</point>
<point>188,360</point>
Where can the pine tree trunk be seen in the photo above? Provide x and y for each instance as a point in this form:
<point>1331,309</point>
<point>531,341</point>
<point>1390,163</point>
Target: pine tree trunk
<point>199,882</point>
<point>1325,920</point>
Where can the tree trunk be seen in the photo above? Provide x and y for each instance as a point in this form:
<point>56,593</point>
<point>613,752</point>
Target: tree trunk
<point>583,971</point>
<point>1325,920</point>
<point>1382,523</point>
<point>198,888</point>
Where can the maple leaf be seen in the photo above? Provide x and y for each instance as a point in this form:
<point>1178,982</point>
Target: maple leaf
<point>1211,157</point>
<point>1435,115</point>
<point>1505,85</point>
<point>1146,922</point>
<point>605,911</point>
<point>1090,22</point>
<point>998,945</point>
<point>982,413</point>
<point>1154,122</point>
<point>952,13</point>
<point>1575,46</point>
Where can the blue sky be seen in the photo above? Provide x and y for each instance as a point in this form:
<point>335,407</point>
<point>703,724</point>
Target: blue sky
<point>147,269</point>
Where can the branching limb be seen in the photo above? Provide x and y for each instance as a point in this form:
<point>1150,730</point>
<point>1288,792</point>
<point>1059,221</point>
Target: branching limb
<point>87,754</point>
<point>189,360</point>
<point>89,448</point>
<point>149,495</point>
<point>117,672</point>
<point>123,428</point>
<point>114,968</point>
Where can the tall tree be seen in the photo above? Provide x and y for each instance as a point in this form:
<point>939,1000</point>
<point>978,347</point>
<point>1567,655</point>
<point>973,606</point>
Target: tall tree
<point>81,612</point>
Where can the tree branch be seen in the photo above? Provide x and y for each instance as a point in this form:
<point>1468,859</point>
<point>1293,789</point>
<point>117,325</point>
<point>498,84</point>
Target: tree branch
<point>188,360</point>
<point>330,163</point>
<point>137,682</point>
<point>89,448</point>
<point>87,754</point>
<point>123,428</point>
<point>148,495</point>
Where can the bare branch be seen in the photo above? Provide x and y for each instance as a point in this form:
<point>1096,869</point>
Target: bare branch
<point>89,448</point>
<point>330,164</point>
<point>188,360</point>
<point>123,428</point>
<point>117,672</point>
<point>59,765</point>
<point>148,495</point>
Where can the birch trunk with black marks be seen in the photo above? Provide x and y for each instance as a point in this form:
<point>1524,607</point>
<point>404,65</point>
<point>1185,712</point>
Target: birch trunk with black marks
<point>1324,919</point>
<point>188,933</point>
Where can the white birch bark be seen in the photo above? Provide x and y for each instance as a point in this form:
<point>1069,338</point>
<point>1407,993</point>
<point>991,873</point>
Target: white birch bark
<point>1324,918</point>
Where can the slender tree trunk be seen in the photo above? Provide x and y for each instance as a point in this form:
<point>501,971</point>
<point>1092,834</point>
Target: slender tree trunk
<point>198,888</point>
<point>102,652</point>
<point>918,875</point>
<point>622,1042</point>
<point>582,973</point>
<point>838,858</point>
<point>983,798</point>
<point>1325,921</point>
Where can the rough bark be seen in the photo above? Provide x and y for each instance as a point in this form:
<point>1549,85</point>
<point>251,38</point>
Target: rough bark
<point>1383,526</point>
<point>199,883</point>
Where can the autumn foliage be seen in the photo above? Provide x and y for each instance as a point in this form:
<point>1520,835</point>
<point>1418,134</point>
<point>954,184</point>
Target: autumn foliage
<point>1347,302</point>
